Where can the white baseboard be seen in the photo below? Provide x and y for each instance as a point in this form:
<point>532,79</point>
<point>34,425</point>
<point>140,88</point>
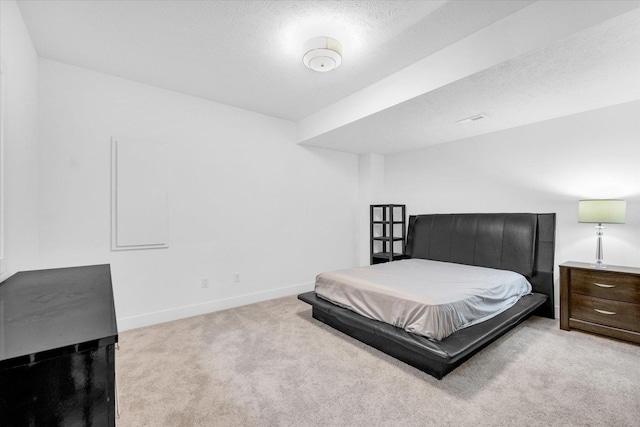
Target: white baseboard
<point>148,319</point>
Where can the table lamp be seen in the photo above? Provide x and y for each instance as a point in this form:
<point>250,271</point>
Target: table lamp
<point>601,212</point>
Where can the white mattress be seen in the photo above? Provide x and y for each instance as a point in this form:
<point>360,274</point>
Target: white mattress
<point>429,298</point>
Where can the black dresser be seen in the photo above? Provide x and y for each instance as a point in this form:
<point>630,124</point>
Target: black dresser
<point>57,336</point>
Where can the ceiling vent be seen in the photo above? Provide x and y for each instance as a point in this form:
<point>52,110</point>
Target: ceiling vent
<point>472,118</point>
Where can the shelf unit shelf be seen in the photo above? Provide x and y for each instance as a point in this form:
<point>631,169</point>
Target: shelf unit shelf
<point>387,240</point>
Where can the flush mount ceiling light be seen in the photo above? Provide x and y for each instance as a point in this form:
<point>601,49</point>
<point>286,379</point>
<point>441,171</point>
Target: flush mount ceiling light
<point>322,54</point>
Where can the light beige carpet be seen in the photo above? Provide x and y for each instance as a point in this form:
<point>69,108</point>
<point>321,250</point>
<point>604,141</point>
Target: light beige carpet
<point>272,364</point>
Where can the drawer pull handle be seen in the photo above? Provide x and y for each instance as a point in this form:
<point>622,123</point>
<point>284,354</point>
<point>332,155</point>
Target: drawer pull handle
<point>604,311</point>
<point>602,285</point>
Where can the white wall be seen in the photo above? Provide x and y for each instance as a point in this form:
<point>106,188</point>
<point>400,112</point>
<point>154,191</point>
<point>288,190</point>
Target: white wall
<point>244,198</point>
<point>370,180</point>
<point>543,167</point>
<point>19,67</point>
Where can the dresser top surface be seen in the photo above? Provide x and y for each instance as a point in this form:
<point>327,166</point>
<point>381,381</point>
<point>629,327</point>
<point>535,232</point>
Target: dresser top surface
<point>55,310</point>
<point>609,268</point>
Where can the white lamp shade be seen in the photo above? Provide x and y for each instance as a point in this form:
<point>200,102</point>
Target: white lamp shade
<point>602,211</point>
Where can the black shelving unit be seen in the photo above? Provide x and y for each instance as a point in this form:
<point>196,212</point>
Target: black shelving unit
<point>388,233</point>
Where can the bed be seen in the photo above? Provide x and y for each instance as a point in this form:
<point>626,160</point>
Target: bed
<point>518,242</point>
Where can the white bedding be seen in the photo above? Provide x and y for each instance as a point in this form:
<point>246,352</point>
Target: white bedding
<point>429,298</point>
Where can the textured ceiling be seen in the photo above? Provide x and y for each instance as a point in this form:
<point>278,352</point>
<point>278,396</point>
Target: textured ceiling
<point>248,54</point>
<point>594,68</point>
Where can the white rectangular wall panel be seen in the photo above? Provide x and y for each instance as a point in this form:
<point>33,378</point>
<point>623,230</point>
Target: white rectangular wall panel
<point>140,172</point>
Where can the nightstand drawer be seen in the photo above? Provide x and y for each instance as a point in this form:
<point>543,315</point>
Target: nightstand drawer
<point>617,314</point>
<point>603,284</point>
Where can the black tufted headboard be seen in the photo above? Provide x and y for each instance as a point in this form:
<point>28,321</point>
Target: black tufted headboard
<point>519,242</point>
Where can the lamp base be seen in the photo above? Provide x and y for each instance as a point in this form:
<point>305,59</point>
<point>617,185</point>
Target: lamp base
<point>596,265</point>
<point>599,263</point>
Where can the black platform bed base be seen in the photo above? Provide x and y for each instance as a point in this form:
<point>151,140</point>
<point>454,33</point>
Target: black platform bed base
<point>519,242</point>
<point>436,358</point>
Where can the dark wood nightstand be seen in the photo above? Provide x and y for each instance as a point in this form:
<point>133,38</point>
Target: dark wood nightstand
<point>601,301</point>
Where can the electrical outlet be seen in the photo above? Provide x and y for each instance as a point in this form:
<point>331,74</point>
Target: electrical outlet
<point>204,282</point>
<point>236,277</point>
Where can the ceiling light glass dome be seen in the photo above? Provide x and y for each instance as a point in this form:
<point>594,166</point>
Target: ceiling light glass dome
<point>322,54</point>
